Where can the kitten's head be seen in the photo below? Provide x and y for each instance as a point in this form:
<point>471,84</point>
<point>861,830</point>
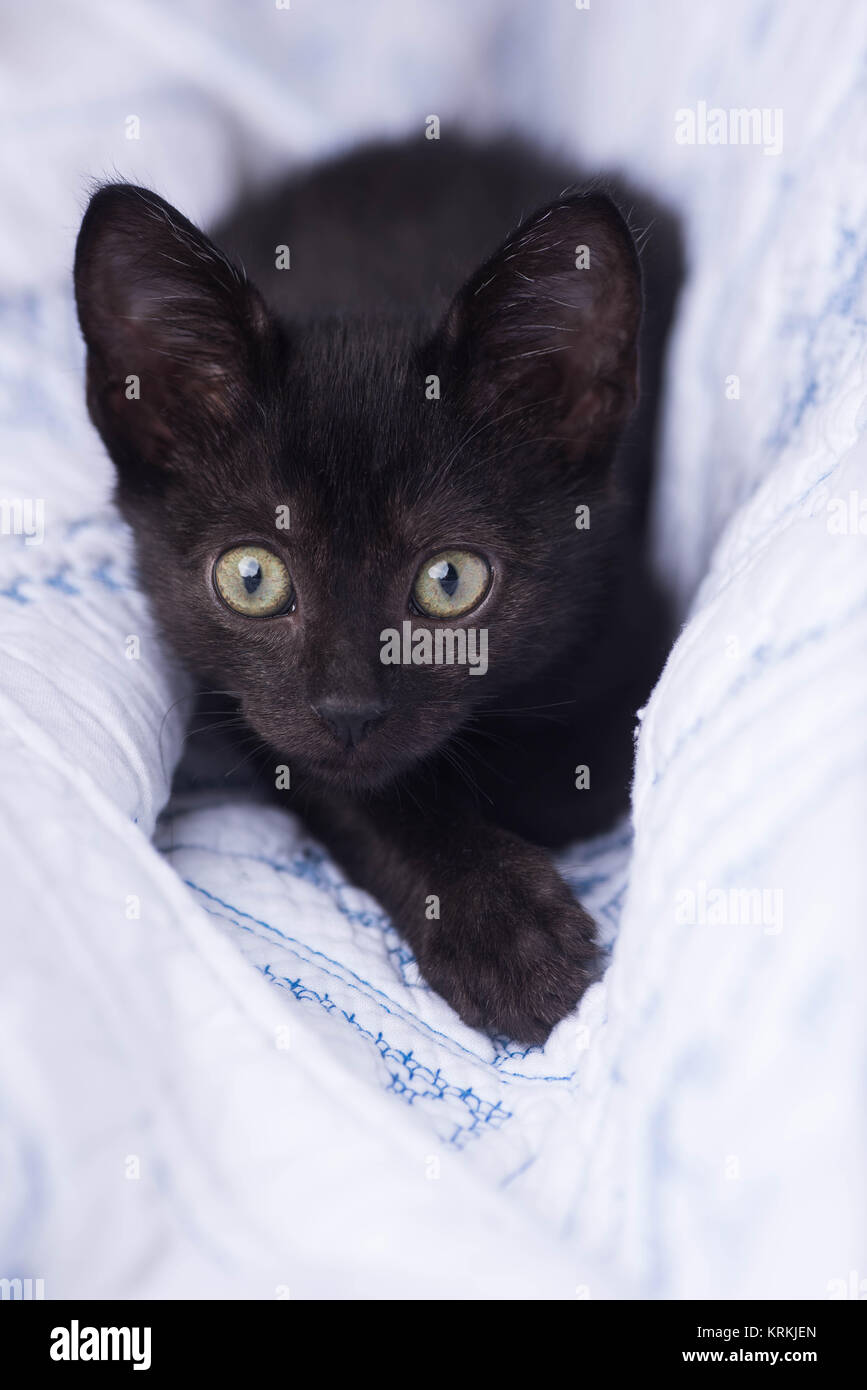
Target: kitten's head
<point>297,491</point>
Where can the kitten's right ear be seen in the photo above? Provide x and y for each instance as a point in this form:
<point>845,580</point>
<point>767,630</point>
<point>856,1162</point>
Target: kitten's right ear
<point>175,335</point>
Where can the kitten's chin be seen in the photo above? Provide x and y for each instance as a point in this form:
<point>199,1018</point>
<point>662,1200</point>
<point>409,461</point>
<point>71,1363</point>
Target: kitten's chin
<point>356,772</point>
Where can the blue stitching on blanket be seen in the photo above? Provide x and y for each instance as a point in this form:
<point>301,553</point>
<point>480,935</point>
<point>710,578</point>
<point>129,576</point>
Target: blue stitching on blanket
<point>12,591</point>
<point>284,936</point>
<point>837,304</point>
<point>58,581</point>
<point>760,660</point>
<point>519,1172</point>
<point>484,1112</point>
<point>102,576</point>
<point>99,573</point>
<point>311,865</point>
<point>303,867</point>
<point>397,1010</point>
<point>102,521</point>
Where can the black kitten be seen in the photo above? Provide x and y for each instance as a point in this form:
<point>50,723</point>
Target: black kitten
<point>401,448</point>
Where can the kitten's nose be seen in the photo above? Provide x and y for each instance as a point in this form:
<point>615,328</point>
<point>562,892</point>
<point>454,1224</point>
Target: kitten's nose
<point>351,720</point>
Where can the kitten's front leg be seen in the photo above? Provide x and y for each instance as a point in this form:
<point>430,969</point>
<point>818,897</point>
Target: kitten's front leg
<point>495,929</point>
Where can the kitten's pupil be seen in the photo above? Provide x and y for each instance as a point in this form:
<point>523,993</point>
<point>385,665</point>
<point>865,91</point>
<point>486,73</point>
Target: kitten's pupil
<point>447,575</point>
<point>251,572</point>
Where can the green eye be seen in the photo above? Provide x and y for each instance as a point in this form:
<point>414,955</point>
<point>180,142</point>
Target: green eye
<point>451,583</point>
<point>253,581</point>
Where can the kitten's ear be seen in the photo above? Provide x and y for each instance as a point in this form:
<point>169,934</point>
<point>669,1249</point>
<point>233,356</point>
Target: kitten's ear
<point>175,335</point>
<point>547,329</point>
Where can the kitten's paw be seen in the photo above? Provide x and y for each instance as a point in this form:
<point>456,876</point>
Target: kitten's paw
<point>512,951</point>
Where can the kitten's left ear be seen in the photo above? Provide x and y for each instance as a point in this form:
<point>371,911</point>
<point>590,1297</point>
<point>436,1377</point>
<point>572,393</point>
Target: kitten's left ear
<point>176,337</point>
<point>547,329</point>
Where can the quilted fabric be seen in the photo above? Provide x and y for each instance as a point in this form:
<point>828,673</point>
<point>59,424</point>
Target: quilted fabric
<point>220,1073</point>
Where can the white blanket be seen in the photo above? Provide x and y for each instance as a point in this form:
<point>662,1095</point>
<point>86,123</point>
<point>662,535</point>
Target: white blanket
<point>220,1073</point>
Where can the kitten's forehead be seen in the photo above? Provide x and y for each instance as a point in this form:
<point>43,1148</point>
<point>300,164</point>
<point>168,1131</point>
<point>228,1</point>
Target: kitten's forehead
<point>356,465</point>
<point>357,394</point>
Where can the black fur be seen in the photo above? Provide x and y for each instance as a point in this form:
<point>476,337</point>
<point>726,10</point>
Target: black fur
<point>309,391</point>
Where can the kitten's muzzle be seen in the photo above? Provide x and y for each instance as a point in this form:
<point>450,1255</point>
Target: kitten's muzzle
<point>351,721</point>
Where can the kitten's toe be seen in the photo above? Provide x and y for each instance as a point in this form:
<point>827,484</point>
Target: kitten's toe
<point>517,955</point>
